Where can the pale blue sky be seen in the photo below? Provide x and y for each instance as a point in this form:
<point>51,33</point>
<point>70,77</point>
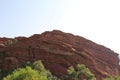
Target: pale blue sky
<point>97,20</point>
<point>27,17</point>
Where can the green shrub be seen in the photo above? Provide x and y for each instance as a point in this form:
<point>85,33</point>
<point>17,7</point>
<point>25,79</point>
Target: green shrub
<point>37,65</point>
<point>25,74</point>
<point>9,42</point>
<point>37,71</point>
<point>80,72</point>
<point>112,78</point>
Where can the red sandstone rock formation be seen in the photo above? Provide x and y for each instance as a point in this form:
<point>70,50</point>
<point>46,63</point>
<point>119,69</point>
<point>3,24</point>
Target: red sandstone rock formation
<point>58,51</point>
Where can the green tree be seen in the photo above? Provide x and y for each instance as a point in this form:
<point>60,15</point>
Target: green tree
<point>41,69</point>
<point>35,71</point>
<point>72,74</point>
<point>79,72</point>
<point>112,78</point>
<point>25,74</point>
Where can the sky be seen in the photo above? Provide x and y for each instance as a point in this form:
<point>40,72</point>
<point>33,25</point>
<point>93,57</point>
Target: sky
<point>96,20</point>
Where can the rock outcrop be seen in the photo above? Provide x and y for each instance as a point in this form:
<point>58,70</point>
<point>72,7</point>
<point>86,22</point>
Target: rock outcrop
<point>58,51</point>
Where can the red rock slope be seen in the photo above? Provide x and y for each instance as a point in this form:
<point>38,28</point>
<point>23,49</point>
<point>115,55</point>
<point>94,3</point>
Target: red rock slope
<point>58,51</point>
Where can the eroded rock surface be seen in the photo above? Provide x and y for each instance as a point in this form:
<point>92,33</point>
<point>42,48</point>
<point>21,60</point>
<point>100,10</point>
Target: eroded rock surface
<point>58,51</point>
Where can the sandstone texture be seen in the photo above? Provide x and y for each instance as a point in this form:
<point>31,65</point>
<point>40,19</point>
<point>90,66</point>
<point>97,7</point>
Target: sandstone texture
<point>58,50</point>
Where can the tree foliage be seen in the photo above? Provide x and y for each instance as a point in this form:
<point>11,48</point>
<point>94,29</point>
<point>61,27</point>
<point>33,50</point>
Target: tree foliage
<point>35,71</point>
<point>79,72</point>
<point>10,42</point>
<point>112,78</point>
<point>25,74</point>
<point>41,69</point>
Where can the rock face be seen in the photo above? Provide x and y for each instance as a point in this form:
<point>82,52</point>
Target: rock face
<point>58,51</point>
